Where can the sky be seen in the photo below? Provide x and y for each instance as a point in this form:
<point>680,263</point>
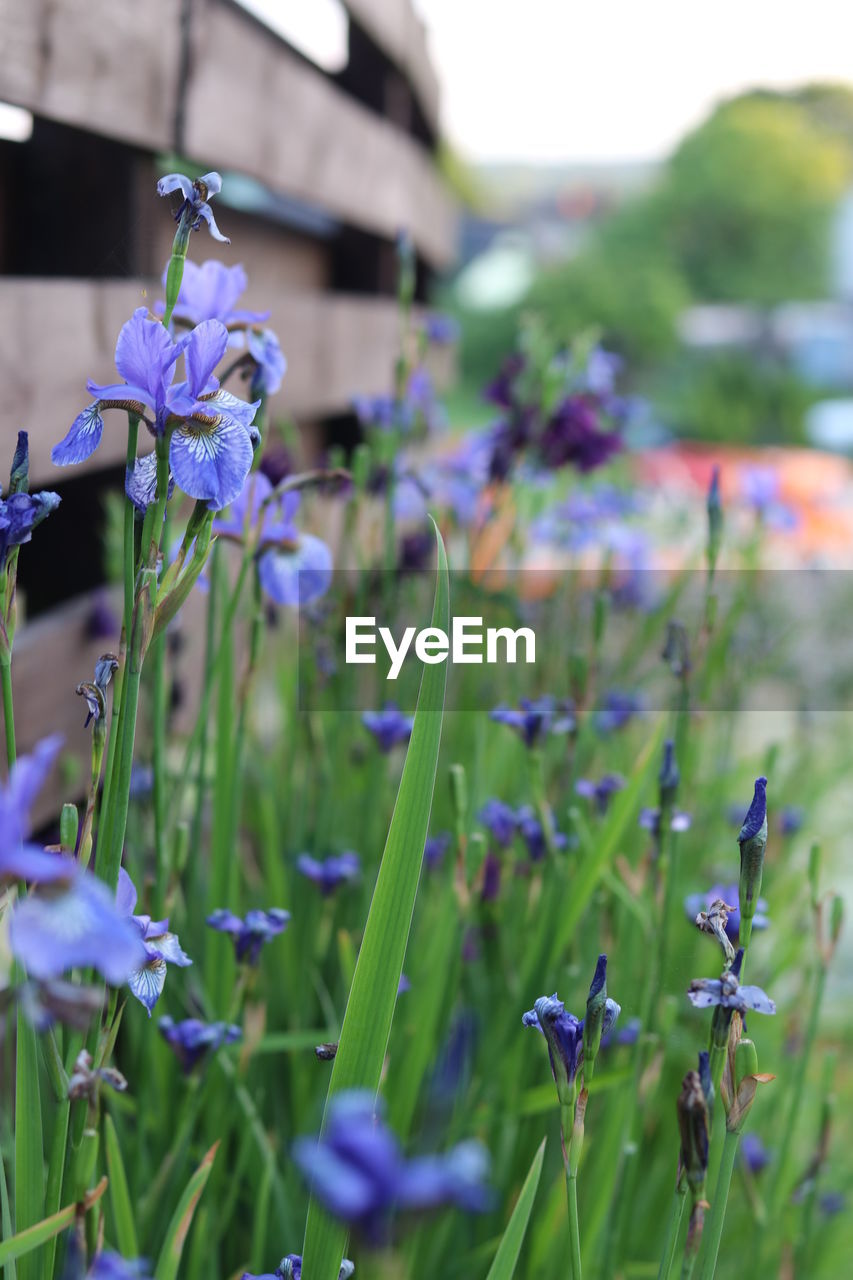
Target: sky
<point>549,81</point>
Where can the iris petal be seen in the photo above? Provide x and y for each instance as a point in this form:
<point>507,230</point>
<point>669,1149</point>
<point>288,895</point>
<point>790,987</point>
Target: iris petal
<point>82,439</point>
<point>210,462</point>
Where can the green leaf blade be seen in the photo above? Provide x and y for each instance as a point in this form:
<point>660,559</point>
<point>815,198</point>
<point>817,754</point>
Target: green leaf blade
<point>509,1249</point>
<point>373,994</point>
<point>176,1235</point>
<point>125,1226</point>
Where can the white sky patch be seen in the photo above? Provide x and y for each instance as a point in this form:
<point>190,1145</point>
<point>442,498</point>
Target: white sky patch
<point>567,80</point>
<point>16,124</point>
<point>317,28</point>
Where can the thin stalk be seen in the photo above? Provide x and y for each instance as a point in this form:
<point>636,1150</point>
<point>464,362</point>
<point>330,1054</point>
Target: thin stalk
<point>673,1229</point>
<point>714,1232</point>
<point>777,1191</point>
<point>158,760</point>
<point>571,1160</point>
<point>8,712</point>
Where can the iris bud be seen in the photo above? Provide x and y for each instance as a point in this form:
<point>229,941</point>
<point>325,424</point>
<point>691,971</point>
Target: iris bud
<point>753,844</point>
<point>715,519</point>
<point>594,1020</point>
<point>19,476</point>
<point>669,776</point>
<point>68,824</point>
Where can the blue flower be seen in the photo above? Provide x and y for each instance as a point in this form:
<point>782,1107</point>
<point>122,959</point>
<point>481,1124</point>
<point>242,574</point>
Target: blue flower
<point>250,935</point>
<point>19,858</point>
<point>601,791</point>
<point>618,709</point>
<point>697,902</point>
<point>196,193</point>
<point>388,726</point>
<point>790,821</point>
<point>294,568</point>
<point>193,1039</point>
<point>270,362</point>
<point>500,819</point>
<point>441,329</point>
<point>105,1266</point>
<point>211,446</point>
<point>358,1172</point>
<point>72,922</point>
<point>535,717</point>
<point>573,435</point>
<point>756,814</point>
<point>161,947</point>
<point>753,1152</point>
<point>728,993</point>
<point>650,820</point>
<point>563,1033</point>
<point>533,834</point>
<point>332,872</point>
<point>19,515</point>
<point>435,848</point>
<point>210,292</point>
<point>290,1268</point>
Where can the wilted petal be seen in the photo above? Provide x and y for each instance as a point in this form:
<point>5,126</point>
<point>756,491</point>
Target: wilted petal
<point>756,999</point>
<point>176,182</point>
<point>204,211</point>
<point>83,438</point>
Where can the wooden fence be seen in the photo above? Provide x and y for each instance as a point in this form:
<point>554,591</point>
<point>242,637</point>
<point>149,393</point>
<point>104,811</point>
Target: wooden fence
<point>332,173</point>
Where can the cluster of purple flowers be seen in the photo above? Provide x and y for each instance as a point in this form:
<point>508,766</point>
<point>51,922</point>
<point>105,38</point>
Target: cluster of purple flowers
<point>504,823</point>
<point>330,873</point>
<point>388,726</point>
<point>534,718</point>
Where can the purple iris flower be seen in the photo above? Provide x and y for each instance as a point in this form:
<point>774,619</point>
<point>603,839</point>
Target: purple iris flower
<point>602,369</point>
<point>761,488</point>
<point>209,292</point>
<point>72,922</point>
<point>790,821</point>
<point>753,1152</point>
<point>491,886</point>
<point>563,1033</point>
<point>650,820</point>
<point>19,858</point>
<point>625,1036</point>
<point>294,568</point>
<point>728,992</point>
<point>358,1172</point>
<point>212,441</point>
<point>500,819</point>
<point>161,947</point>
<point>501,391</point>
<point>105,1266</point>
<point>533,834</point>
<point>617,710</point>
<point>270,362</point>
<point>601,791</point>
<point>332,872</point>
<point>19,515</point>
<point>388,726</point>
<point>403,985</point>
<point>536,717</point>
<point>435,848</point>
<point>441,329</point>
<point>250,935</point>
<point>193,1039</point>
<point>697,902</point>
<point>196,194</point>
<point>573,436</point>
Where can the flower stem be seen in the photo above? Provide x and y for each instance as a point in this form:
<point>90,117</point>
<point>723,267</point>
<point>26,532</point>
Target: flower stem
<point>777,1191</point>
<point>572,1122</point>
<point>718,1208</point>
<point>8,712</point>
<point>679,1200</point>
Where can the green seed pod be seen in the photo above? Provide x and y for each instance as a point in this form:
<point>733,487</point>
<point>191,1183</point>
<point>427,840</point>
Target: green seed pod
<point>69,822</point>
<point>746,1061</point>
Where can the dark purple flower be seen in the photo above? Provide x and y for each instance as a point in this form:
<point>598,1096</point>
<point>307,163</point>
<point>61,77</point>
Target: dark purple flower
<point>491,887</point>
<point>416,551</point>
<point>388,726</point>
<point>536,717</point>
<point>19,515</point>
<point>790,821</point>
<point>358,1172</point>
<point>697,902</point>
<point>20,859</point>
<point>832,1202</point>
<point>332,872</point>
<point>573,436</point>
<point>435,849</point>
<point>500,390</point>
<point>625,1036</point>
<point>601,791</point>
<point>500,820</point>
<point>753,1152</point>
<point>756,815</point>
<point>161,947</point>
<point>105,1266</point>
<point>102,623</point>
<point>617,710</point>
<point>196,192</point>
<point>192,1039</point>
<point>290,1268</point>
<point>564,1033</point>
<point>212,437</point>
<point>250,935</point>
<point>533,834</point>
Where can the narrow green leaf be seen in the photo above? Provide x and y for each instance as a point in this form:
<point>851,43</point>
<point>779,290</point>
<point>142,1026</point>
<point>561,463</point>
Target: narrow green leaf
<point>178,1229</point>
<point>29,1142</point>
<point>373,994</point>
<point>22,1244</point>
<point>503,1267</point>
<point>119,1193</point>
<point>5,1219</point>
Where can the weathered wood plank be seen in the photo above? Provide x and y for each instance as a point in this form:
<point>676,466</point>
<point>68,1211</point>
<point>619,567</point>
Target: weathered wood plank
<point>111,66</point>
<point>397,29</point>
<point>287,126</point>
<point>58,333</point>
<point>247,103</point>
